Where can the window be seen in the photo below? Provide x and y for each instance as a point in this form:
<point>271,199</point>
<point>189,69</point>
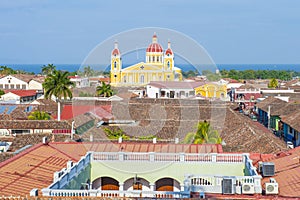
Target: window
<point>115,76</point>
<point>23,87</point>
<point>6,86</point>
<point>142,79</point>
<point>12,86</point>
<point>290,129</point>
<point>168,64</point>
<point>124,79</point>
<point>1,86</point>
<point>8,80</point>
<point>157,59</point>
<point>153,59</point>
<point>18,86</point>
<point>115,64</point>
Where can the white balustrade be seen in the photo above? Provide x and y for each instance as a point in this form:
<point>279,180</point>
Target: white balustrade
<point>168,157</point>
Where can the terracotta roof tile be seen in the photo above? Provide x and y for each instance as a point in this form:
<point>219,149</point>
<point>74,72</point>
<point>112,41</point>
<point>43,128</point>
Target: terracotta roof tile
<point>22,93</point>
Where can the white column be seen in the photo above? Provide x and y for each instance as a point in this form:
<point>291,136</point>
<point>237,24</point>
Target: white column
<point>181,187</point>
<point>121,189</point>
<point>152,186</point>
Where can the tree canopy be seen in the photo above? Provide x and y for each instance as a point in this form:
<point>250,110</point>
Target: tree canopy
<point>104,90</point>
<point>258,74</point>
<point>203,135</point>
<point>39,115</point>
<point>48,69</point>
<point>273,83</point>
<point>58,84</point>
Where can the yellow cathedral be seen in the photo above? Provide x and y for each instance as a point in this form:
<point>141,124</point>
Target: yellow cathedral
<point>159,66</point>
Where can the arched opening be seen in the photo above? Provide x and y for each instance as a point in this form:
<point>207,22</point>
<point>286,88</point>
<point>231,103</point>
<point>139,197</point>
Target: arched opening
<point>115,64</point>
<point>167,184</point>
<point>136,183</point>
<point>105,183</point>
<point>168,64</point>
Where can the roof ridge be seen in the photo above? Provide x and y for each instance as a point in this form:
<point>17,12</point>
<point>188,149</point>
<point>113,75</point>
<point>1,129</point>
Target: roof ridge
<point>20,154</point>
<point>50,144</point>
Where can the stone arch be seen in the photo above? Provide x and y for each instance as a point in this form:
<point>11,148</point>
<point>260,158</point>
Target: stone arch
<point>129,184</point>
<point>105,183</point>
<point>167,184</point>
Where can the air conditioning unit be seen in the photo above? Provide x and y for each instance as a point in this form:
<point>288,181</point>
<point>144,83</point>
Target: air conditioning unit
<point>268,169</point>
<point>271,187</point>
<point>248,188</point>
<point>227,186</point>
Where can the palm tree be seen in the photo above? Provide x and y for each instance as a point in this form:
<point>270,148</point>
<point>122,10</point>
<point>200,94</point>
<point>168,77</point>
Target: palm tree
<point>48,69</point>
<point>203,135</point>
<point>104,90</point>
<point>39,115</point>
<point>59,85</point>
<point>88,71</point>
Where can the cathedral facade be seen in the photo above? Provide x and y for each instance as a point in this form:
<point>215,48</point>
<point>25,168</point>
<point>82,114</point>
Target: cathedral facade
<point>158,66</point>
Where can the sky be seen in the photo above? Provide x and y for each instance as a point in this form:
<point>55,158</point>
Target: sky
<point>231,31</point>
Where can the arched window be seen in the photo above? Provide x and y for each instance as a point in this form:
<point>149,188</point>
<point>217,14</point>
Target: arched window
<point>168,64</point>
<point>153,59</point>
<point>142,79</point>
<point>157,58</point>
<point>115,64</point>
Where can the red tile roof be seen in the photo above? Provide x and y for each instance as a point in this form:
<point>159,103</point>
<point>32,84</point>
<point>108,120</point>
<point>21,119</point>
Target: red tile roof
<point>22,93</point>
<point>30,169</point>
<point>34,167</point>
<point>287,172</point>
<point>71,111</point>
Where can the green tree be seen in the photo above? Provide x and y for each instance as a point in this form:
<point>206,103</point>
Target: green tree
<point>115,133</point>
<point>88,71</point>
<point>4,70</point>
<point>58,84</point>
<point>1,93</point>
<point>203,135</point>
<point>39,115</point>
<point>48,69</point>
<point>104,90</point>
<point>273,83</point>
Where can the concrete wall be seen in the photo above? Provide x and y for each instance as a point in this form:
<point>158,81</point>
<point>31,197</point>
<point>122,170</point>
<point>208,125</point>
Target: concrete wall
<point>153,171</point>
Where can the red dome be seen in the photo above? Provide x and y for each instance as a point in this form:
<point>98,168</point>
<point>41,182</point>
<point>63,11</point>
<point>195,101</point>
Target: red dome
<point>169,51</point>
<point>154,47</point>
<point>115,52</point>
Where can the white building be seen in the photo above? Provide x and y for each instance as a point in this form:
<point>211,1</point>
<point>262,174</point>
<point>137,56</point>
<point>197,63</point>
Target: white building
<point>80,82</point>
<point>21,82</point>
<point>172,89</point>
<point>20,96</point>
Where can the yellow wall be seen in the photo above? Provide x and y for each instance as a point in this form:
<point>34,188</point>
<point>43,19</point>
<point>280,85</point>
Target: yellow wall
<point>212,90</point>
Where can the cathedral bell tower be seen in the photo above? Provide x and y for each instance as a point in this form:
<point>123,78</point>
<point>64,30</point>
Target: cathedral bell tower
<point>169,58</point>
<point>116,66</point>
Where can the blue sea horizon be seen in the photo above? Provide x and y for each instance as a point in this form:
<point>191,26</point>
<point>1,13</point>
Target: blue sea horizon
<point>37,68</point>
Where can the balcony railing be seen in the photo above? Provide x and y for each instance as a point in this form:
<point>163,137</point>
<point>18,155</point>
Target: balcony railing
<point>168,157</point>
